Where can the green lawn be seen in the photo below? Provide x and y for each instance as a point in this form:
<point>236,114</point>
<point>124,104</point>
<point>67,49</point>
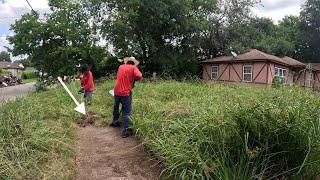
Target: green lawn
<point>197,131</point>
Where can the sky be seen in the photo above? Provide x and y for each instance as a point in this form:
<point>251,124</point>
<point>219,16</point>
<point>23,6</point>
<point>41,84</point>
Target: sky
<point>10,10</point>
<point>278,9</point>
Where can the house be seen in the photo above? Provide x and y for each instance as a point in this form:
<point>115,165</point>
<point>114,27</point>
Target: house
<point>257,67</point>
<point>14,68</point>
<point>316,68</point>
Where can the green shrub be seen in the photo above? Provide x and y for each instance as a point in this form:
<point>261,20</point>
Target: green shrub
<point>2,72</point>
<point>277,82</point>
<point>28,75</point>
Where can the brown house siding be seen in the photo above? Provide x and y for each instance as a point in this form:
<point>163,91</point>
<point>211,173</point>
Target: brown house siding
<point>236,73</point>
<point>262,73</point>
<point>233,72</point>
<point>301,78</point>
<point>317,80</point>
<point>263,69</point>
<point>207,72</point>
<point>259,72</point>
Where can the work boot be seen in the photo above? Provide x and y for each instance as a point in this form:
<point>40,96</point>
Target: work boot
<point>126,133</point>
<point>115,124</point>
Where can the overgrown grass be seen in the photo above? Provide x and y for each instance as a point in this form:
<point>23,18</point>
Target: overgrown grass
<point>37,137</point>
<point>217,132</point>
<point>199,131</point>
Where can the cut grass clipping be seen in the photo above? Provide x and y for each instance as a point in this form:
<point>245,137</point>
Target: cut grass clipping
<point>37,137</point>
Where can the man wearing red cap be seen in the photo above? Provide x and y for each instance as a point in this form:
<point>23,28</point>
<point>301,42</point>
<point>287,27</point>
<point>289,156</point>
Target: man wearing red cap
<point>127,74</point>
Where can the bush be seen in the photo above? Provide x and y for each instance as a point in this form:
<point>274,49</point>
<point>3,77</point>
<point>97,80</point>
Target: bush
<point>2,72</point>
<point>28,75</point>
<point>277,82</point>
<point>43,83</point>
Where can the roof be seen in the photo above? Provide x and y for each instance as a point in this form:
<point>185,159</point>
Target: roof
<point>219,59</point>
<point>256,55</point>
<point>315,66</point>
<point>9,65</point>
<point>293,62</point>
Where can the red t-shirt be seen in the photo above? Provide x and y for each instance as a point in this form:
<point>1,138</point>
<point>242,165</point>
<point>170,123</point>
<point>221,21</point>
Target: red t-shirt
<point>87,82</point>
<point>126,75</point>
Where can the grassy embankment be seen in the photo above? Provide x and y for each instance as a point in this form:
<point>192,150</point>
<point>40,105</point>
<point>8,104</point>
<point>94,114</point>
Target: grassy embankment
<point>197,130</point>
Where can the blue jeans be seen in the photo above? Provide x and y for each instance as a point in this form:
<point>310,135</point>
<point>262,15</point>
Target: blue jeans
<point>125,101</point>
<point>88,97</point>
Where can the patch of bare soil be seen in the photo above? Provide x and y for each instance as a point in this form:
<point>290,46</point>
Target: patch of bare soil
<point>104,154</point>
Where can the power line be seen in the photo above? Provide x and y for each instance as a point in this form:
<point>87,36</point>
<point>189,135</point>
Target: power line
<point>31,7</point>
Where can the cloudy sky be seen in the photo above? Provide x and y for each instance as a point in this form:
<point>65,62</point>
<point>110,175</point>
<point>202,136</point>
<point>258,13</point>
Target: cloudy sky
<point>10,10</point>
<point>277,9</point>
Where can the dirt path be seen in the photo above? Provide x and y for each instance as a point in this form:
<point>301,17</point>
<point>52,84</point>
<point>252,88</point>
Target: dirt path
<point>103,154</point>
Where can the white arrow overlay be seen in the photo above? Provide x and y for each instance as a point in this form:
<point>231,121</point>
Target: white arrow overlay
<point>80,107</point>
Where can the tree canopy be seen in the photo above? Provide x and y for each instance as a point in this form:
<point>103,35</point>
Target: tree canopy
<point>310,27</point>
<point>61,42</point>
<point>168,36</point>
<point>5,56</point>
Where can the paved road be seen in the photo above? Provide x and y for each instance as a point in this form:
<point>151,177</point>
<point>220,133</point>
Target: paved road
<point>12,92</point>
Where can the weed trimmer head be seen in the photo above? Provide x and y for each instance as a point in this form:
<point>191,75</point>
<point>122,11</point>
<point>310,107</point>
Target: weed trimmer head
<point>111,92</point>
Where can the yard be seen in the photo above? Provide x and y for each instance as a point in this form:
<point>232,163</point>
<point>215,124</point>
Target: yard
<point>194,130</point>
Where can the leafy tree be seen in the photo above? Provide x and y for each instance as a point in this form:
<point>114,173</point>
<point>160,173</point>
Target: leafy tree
<point>5,56</point>
<point>255,33</point>
<point>310,26</point>
<point>168,35</point>
<point>26,62</point>
<point>283,39</point>
<point>288,38</point>
<point>226,21</point>
<point>59,43</point>
<point>153,30</point>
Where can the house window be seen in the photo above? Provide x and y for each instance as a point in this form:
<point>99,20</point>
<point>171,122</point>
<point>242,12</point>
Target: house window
<point>214,72</point>
<point>280,72</point>
<point>247,73</point>
<point>310,79</point>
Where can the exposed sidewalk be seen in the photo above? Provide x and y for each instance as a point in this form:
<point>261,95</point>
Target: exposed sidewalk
<point>12,92</point>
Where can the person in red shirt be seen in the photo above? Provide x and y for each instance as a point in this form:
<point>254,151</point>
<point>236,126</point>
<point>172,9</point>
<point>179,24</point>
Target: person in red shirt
<point>127,74</point>
<point>87,83</point>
